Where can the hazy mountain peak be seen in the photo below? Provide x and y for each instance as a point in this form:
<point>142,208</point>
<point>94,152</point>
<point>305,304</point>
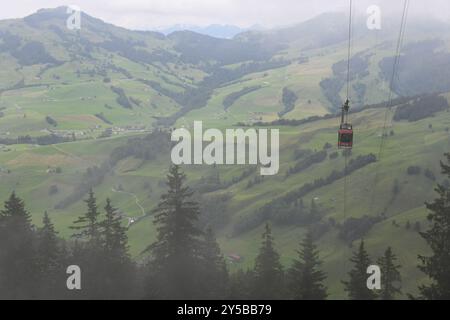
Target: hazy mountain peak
<point>45,14</point>
<point>213,30</point>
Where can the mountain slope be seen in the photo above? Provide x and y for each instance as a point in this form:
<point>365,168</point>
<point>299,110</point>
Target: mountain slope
<point>89,104</point>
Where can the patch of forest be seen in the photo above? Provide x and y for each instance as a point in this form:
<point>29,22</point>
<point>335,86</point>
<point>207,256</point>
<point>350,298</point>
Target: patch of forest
<point>122,98</point>
<point>230,99</point>
<point>423,69</point>
<point>288,98</point>
<point>331,87</point>
<point>196,98</point>
<point>421,108</point>
<point>298,122</point>
<point>287,204</point>
<point>40,140</point>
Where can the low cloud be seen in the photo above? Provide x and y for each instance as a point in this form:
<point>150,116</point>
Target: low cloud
<point>144,14</point>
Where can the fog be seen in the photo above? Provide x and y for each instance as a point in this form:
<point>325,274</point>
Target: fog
<point>155,14</point>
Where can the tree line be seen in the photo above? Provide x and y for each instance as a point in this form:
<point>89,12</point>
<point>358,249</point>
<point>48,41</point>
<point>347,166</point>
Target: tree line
<point>416,110</point>
<point>44,140</point>
<point>185,261</point>
<point>297,122</point>
<point>286,205</point>
<point>230,99</point>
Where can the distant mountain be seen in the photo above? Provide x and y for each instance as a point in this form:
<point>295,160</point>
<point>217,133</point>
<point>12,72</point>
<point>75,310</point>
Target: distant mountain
<point>40,46</point>
<point>214,30</point>
<point>103,86</point>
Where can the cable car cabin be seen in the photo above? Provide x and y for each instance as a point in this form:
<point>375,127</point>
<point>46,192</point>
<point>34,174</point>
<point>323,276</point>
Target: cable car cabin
<point>345,137</point>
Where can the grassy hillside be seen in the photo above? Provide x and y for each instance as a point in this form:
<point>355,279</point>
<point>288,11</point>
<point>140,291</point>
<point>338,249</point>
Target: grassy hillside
<point>105,88</point>
<point>366,195</point>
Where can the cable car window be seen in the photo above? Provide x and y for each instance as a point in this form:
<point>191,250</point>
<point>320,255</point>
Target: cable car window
<point>346,137</point>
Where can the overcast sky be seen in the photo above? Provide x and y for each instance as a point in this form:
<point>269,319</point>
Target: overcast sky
<point>155,14</point>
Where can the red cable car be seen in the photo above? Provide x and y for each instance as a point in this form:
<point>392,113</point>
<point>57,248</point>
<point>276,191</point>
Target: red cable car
<point>345,134</point>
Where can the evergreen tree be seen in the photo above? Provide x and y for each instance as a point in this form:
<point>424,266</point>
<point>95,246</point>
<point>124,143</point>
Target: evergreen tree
<point>268,272</point>
<point>356,287</point>
<point>176,253</point>
<point>241,283</point>
<point>306,278</point>
<point>119,270</point>
<point>437,266</point>
<point>114,235</point>
<point>215,274</point>
<point>50,261</point>
<point>391,278</point>
<point>88,225</point>
<point>89,253</point>
<point>18,278</point>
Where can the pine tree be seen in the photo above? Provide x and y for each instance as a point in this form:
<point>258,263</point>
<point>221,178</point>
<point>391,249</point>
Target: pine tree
<point>89,254</point>
<point>50,261</point>
<point>88,225</point>
<point>268,272</point>
<point>18,278</point>
<point>48,248</point>
<point>356,287</point>
<point>437,266</point>
<point>241,283</point>
<point>176,253</point>
<point>215,274</point>
<point>306,278</point>
<point>118,271</point>
<point>114,235</point>
<point>391,277</point>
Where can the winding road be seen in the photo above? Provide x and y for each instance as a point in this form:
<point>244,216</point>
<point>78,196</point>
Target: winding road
<point>132,220</point>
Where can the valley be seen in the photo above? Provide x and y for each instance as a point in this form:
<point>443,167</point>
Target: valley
<point>95,108</point>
